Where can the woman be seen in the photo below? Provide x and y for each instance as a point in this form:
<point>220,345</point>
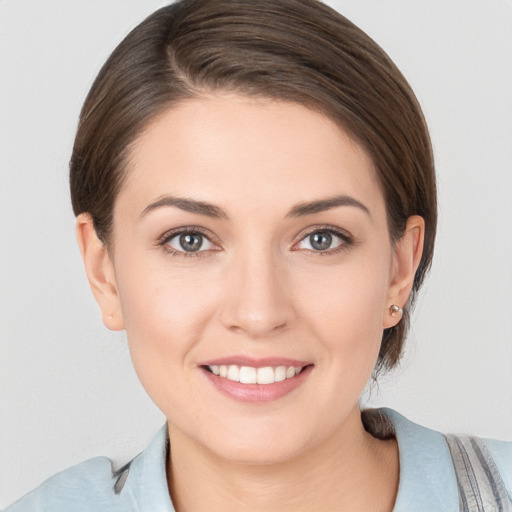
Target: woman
<point>255,201</point>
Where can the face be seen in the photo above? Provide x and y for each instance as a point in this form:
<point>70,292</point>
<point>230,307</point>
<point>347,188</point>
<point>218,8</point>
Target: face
<point>253,272</point>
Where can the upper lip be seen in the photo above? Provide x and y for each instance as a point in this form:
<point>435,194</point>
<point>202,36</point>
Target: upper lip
<point>255,362</point>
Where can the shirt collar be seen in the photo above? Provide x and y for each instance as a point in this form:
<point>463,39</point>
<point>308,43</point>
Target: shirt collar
<point>426,471</point>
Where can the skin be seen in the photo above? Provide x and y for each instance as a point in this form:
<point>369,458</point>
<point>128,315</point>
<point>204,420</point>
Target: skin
<point>259,289</point>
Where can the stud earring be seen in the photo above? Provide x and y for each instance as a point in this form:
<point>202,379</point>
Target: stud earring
<point>396,311</point>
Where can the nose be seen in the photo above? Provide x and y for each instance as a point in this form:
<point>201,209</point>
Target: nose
<point>257,299</point>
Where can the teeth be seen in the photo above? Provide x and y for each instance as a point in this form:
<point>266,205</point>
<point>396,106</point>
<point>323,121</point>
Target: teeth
<point>247,375</point>
<point>280,373</point>
<point>250,375</point>
<point>266,375</point>
<point>233,373</point>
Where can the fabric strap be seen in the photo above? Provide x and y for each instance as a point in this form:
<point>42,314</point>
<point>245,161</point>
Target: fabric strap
<point>481,488</point>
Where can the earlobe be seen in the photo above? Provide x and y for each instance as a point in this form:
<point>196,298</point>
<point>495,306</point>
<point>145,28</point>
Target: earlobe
<point>406,259</point>
<point>100,272</point>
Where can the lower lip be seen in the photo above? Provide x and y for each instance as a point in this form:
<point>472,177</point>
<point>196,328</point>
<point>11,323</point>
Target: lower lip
<point>257,392</point>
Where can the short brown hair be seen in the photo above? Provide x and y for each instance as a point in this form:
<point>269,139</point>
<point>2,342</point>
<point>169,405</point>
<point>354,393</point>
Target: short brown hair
<point>293,50</point>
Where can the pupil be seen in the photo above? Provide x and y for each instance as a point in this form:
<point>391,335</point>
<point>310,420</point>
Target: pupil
<point>321,241</point>
<point>191,243</point>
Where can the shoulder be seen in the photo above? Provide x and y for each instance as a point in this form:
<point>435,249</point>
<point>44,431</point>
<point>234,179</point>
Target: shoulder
<point>94,485</point>
<point>86,486</point>
<point>428,475</point>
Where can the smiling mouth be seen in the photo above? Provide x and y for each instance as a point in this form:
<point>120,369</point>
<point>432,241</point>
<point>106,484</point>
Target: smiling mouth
<point>251,375</point>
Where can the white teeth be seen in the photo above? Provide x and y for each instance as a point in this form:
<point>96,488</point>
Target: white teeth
<point>233,373</point>
<point>250,375</point>
<point>247,375</point>
<point>280,373</point>
<point>266,375</point>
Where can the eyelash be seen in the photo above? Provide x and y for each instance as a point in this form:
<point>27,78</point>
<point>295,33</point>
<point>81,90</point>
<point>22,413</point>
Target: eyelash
<point>188,230</point>
<point>346,241</point>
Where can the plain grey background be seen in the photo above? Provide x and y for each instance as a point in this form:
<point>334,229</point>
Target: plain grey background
<point>67,389</point>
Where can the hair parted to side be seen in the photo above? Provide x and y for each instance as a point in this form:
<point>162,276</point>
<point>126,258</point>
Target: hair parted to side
<point>291,50</point>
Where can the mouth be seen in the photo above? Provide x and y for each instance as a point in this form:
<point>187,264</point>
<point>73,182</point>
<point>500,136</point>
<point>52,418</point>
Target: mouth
<point>249,380</point>
<point>252,375</point>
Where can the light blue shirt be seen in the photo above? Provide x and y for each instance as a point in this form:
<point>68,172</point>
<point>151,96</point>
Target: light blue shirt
<point>427,477</point>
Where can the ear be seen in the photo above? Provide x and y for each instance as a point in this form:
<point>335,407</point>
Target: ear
<point>100,272</point>
<point>407,256</point>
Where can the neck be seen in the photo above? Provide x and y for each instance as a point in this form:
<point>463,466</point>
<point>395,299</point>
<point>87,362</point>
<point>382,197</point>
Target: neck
<point>349,471</point>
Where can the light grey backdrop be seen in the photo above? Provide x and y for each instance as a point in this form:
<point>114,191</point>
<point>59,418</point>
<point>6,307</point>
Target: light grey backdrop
<point>67,390</point>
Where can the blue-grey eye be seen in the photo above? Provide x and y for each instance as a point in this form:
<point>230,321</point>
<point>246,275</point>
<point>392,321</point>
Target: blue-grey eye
<point>190,242</point>
<point>320,241</point>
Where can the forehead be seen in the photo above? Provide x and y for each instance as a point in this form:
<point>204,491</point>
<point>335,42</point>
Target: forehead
<point>234,150</point>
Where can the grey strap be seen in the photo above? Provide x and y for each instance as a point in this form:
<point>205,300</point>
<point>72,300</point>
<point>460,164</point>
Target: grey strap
<point>481,488</point>
<point>121,475</point>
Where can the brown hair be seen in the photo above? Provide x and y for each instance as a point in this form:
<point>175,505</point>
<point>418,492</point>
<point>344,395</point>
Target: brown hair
<point>292,50</point>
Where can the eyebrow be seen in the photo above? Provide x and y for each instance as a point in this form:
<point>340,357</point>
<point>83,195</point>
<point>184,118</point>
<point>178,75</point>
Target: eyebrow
<point>188,205</point>
<point>210,210</point>
<point>311,207</point>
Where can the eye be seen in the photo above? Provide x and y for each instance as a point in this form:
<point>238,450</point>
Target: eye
<point>324,240</point>
<point>188,242</point>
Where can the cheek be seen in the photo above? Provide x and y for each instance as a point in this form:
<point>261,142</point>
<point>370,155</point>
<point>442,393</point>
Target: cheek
<point>345,305</point>
<point>164,314</point>
<point>164,308</point>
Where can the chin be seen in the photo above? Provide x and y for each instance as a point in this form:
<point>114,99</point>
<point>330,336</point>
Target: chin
<point>258,452</point>
<point>258,442</point>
